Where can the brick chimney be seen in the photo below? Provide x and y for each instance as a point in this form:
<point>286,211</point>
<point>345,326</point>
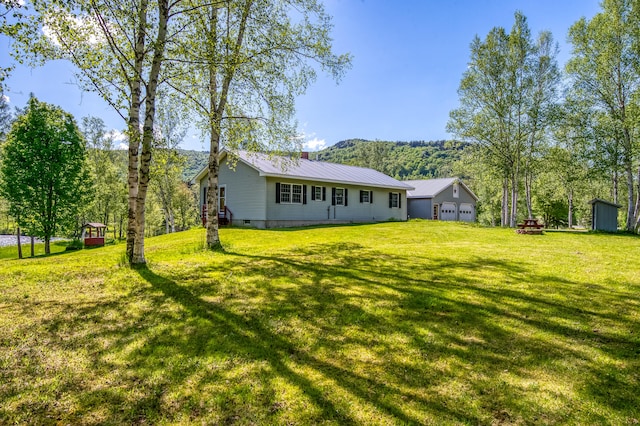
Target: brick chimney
<point>304,155</point>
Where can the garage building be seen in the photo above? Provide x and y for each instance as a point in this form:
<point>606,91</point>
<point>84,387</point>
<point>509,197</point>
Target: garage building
<point>441,199</point>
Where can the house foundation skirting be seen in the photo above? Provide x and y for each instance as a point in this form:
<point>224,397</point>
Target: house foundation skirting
<point>266,224</point>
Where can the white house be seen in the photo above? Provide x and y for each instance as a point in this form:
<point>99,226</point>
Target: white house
<point>441,199</point>
<point>263,191</point>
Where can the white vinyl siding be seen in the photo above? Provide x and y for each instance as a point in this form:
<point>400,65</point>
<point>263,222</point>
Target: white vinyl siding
<point>245,191</point>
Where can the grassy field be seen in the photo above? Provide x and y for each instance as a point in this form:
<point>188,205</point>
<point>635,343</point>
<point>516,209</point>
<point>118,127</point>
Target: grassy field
<point>396,323</point>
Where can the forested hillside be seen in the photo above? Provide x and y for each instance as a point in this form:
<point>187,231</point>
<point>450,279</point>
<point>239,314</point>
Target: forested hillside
<point>401,160</point>
<point>194,162</point>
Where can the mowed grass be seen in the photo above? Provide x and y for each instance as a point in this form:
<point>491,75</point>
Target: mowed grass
<point>396,323</point>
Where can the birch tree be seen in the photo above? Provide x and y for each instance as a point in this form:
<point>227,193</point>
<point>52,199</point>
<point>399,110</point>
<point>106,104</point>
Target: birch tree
<point>167,163</point>
<point>604,72</point>
<point>247,60</point>
<point>118,50</point>
<point>502,96</point>
<point>567,161</point>
<point>542,103</point>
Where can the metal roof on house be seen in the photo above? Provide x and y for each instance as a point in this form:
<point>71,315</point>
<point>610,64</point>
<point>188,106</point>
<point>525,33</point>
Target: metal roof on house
<point>429,188</point>
<point>278,166</point>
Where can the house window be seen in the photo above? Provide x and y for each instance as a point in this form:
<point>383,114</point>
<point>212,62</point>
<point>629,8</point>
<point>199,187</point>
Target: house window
<point>296,194</point>
<point>394,200</point>
<point>339,196</point>
<point>317,193</point>
<point>291,193</point>
<point>285,192</point>
<point>366,197</point>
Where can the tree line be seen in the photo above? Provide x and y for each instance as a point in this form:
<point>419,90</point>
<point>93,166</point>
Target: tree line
<point>56,175</point>
<point>401,160</point>
<point>542,134</point>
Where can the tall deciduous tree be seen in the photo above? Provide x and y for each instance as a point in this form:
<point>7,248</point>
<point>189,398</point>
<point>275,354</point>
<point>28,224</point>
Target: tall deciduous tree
<point>503,95</point>
<point>119,52</point>
<point>167,165</point>
<point>43,173</point>
<point>108,173</point>
<point>604,70</point>
<point>541,107</point>
<point>566,162</point>
<point>247,61</point>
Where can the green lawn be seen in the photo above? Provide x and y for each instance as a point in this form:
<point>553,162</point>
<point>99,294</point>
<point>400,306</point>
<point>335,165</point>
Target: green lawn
<point>397,323</point>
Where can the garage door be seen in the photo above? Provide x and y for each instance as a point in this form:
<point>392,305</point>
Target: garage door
<point>466,212</point>
<point>448,211</point>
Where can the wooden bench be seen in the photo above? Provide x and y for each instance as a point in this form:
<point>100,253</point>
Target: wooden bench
<point>530,226</point>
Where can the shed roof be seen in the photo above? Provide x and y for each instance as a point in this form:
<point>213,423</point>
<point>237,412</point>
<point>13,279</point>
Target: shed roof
<point>600,200</point>
<point>279,166</point>
<point>94,225</point>
<point>429,188</point>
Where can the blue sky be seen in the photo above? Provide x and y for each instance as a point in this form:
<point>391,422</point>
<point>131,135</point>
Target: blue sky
<point>408,59</point>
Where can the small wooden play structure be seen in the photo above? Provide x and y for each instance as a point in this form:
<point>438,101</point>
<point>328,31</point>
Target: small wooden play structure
<point>93,234</point>
<point>530,226</point>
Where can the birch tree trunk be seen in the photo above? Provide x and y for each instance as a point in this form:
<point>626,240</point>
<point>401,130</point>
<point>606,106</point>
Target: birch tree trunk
<point>218,104</point>
<point>615,186</point>
<point>637,209</point>
<point>631,222</point>
<point>134,130</point>
<point>147,134</point>
<point>213,236</point>
<point>570,218</point>
<point>514,201</point>
<point>504,216</point>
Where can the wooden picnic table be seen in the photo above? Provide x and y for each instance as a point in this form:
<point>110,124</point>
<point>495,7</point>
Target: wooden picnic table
<point>530,226</point>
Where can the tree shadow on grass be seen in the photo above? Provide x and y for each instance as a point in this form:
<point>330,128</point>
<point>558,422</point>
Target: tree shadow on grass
<point>494,329</point>
<point>251,338</point>
<point>333,333</point>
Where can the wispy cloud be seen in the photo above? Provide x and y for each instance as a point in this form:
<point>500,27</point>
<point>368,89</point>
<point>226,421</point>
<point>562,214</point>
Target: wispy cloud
<point>310,141</point>
<point>315,144</point>
<point>6,99</point>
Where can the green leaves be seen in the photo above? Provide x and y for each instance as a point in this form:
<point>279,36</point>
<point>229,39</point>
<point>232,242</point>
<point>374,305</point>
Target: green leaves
<point>43,173</point>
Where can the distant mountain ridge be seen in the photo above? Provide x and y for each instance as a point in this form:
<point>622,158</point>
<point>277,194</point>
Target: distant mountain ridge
<point>401,160</point>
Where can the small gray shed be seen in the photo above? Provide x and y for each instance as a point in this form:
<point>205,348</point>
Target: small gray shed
<point>604,215</point>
